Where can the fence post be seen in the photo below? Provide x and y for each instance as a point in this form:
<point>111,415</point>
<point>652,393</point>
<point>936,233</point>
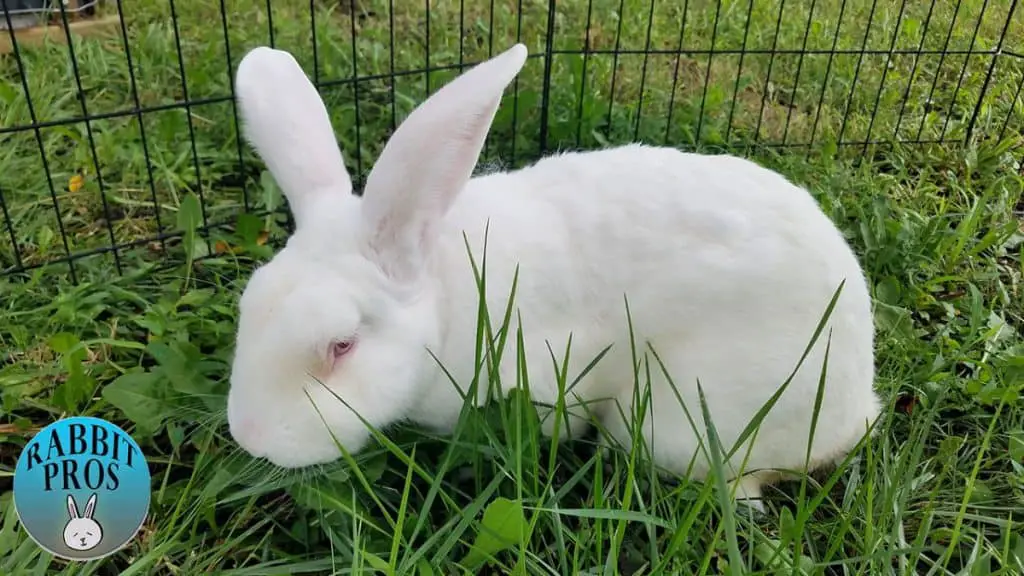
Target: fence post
<point>988,74</point>
<point>9,224</point>
<point>546,90</point>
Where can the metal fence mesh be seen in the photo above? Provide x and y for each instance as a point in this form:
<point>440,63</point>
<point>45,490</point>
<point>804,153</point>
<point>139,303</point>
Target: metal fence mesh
<point>121,148</point>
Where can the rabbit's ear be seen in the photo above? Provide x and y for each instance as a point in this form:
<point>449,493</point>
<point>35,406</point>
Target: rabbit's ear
<point>428,161</point>
<point>72,508</point>
<point>90,506</point>
<point>286,122</point>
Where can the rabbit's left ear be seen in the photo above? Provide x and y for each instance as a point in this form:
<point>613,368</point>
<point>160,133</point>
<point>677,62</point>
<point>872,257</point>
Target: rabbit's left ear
<point>285,120</point>
<point>72,507</point>
<point>90,506</point>
<point>427,162</point>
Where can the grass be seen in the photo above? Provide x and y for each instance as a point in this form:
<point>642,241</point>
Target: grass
<point>939,490</point>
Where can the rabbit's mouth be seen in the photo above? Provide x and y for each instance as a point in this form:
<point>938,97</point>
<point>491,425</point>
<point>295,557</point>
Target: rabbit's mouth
<point>81,543</point>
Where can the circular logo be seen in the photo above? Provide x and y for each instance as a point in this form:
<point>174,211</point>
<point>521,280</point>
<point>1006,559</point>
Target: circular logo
<point>82,488</point>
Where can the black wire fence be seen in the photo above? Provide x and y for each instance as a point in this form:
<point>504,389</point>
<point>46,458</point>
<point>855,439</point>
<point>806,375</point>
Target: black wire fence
<point>120,146</point>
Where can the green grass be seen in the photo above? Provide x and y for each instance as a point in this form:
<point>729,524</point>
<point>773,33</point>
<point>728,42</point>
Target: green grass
<point>939,490</point>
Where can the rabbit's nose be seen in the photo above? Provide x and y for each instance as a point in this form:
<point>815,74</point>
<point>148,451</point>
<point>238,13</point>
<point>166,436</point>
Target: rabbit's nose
<point>247,432</point>
<point>244,428</point>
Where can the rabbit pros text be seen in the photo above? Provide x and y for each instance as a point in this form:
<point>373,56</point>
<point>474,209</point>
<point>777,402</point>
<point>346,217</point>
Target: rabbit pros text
<point>85,456</point>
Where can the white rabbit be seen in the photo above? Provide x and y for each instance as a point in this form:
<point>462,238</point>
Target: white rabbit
<point>727,268</point>
<point>82,532</point>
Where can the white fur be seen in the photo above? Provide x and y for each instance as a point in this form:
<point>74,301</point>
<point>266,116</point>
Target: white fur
<point>727,268</point>
<point>82,532</point>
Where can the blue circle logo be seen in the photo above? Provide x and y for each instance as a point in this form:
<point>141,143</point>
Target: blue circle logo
<point>82,488</point>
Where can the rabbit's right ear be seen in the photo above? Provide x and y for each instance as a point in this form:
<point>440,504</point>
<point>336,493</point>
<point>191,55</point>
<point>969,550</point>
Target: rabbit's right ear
<point>90,506</point>
<point>72,508</point>
<point>285,121</point>
<point>428,161</point>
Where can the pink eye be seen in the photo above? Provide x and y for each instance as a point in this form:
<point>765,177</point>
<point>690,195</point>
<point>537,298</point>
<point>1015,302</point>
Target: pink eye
<point>336,350</point>
<point>340,348</point>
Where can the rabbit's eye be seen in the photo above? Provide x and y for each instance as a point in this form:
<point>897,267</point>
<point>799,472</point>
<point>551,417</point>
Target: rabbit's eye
<point>341,347</point>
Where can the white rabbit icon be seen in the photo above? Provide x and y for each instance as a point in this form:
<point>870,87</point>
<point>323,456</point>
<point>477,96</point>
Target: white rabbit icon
<point>82,532</point>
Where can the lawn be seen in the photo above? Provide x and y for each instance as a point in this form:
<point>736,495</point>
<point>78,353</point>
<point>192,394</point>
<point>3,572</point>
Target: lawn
<point>866,103</point>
